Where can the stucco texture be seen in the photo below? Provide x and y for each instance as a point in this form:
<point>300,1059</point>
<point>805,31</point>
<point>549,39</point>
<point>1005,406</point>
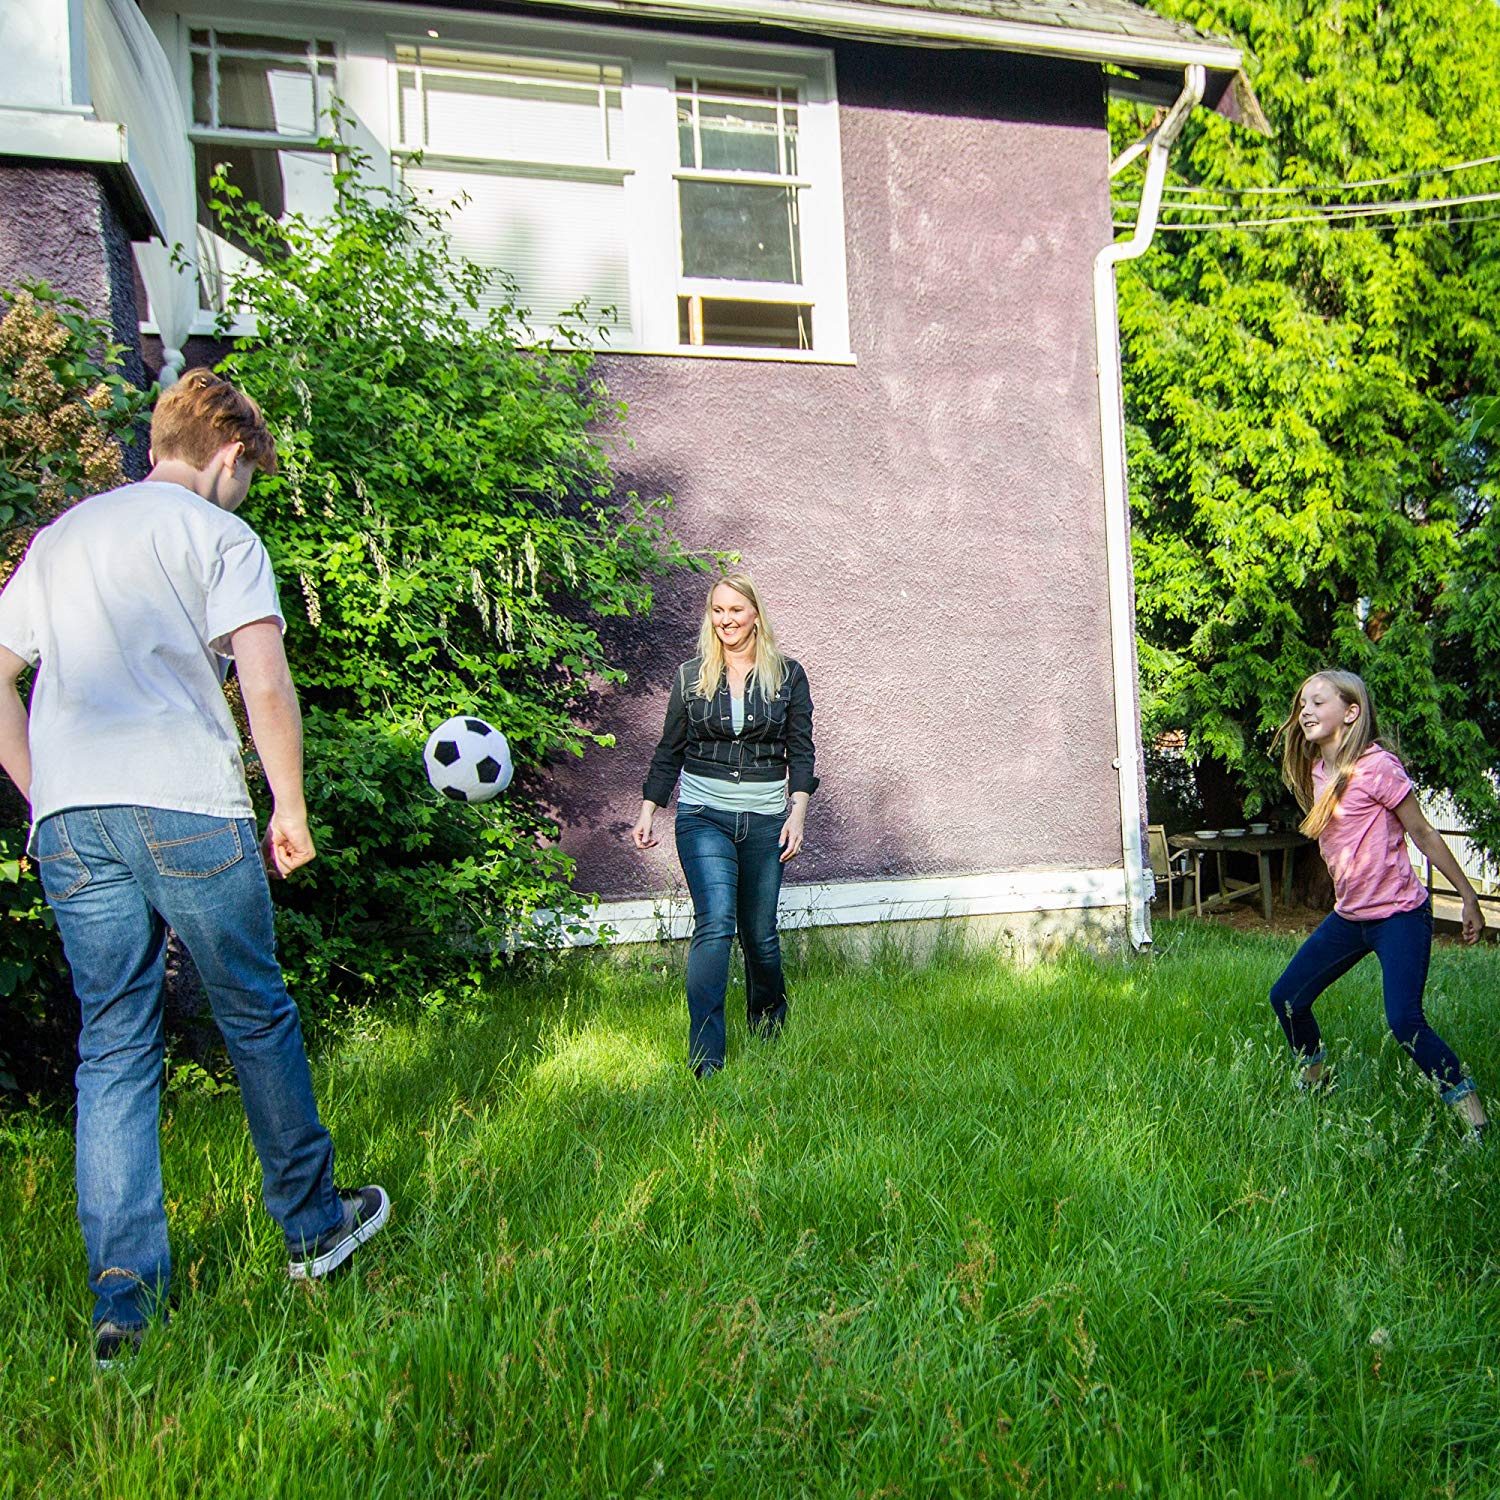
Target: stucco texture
<point>59,225</point>
<point>927,526</point>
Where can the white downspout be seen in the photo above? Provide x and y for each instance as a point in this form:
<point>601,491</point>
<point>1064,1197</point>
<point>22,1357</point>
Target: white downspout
<point>1116,501</point>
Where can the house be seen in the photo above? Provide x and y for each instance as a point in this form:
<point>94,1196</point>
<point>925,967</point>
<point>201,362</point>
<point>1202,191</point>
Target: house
<point>860,259</point>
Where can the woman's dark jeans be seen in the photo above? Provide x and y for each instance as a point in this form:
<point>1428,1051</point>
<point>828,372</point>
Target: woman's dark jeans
<point>1403,944</point>
<point>733,866</point>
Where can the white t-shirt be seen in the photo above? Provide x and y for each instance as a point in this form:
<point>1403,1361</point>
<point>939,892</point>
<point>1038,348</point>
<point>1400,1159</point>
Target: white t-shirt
<point>128,602</point>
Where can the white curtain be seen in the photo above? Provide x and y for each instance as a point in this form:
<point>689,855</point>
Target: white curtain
<point>131,82</point>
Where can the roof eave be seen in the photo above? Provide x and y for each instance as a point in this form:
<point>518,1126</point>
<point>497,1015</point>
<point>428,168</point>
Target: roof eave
<point>839,17</point>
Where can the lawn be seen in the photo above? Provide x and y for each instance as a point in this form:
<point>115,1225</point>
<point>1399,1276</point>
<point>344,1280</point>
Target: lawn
<point>965,1231</point>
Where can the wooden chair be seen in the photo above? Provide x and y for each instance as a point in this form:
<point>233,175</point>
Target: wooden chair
<point>1170,868</point>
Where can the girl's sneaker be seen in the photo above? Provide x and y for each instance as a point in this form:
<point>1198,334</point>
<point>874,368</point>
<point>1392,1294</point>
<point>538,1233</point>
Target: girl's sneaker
<point>365,1211</point>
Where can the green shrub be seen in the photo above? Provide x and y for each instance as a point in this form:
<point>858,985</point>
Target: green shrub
<point>447,534</point>
<point>64,411</point>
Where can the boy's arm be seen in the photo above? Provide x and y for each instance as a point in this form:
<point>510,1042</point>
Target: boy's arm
<point>276,727</point>
<point>1434,846</point>
<point>15,743</point>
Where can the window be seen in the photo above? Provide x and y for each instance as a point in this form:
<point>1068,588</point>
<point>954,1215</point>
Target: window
<point>684,190</point>
<point>738,203</point>
<point>255,100</point>
<point>688,204</point>
<point>533,151</point>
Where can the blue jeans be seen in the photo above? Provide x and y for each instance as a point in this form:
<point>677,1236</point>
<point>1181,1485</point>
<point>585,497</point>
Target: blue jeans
<point>1403,944</point>
<point>117,878</point>
<point>732,862</point>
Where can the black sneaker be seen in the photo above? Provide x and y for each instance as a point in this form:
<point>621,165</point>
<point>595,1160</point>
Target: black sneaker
<point>365,1212</point>
<point>112,1343</point>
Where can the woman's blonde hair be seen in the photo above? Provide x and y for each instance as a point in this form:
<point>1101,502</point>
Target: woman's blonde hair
<point>769,670</point>
<point>1299,753</point>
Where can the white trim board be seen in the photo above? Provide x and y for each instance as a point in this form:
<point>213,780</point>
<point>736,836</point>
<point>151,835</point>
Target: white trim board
<point>919,23</point>
<point>854,902</point>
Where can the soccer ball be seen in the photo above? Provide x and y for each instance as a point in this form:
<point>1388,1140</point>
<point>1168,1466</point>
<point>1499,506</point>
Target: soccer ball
<point>468,759</point>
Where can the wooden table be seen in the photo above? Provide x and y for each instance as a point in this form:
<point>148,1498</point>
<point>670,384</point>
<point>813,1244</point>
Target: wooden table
<point>1262,846</point>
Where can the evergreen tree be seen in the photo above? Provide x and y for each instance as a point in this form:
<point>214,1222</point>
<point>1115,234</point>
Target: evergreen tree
<point>1307,485</point>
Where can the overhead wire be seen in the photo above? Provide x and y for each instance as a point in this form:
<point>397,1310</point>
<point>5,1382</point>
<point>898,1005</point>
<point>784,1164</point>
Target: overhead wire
<point>1312,189</point>
<point>1305,211</point>
<point>1221,225</point>
<point>1345,211</point>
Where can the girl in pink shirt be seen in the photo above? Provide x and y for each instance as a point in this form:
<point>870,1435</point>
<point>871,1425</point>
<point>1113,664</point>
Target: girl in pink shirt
<point>1361,808</point>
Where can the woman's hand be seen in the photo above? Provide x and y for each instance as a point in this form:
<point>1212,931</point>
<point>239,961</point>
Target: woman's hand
<point>1473,920</point>
<point>791,830</point>
<point>641,834</point>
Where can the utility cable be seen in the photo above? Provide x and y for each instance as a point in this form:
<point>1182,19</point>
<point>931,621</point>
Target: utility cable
<point>1329,214</point>
<point>1313,189</point>
<point>1252,225</point>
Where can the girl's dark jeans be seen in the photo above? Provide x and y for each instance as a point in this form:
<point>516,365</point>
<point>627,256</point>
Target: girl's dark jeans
<point>732,862</point>
<point>1403,944</point>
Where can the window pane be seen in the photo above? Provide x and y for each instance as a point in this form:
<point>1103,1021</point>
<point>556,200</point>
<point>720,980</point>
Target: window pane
<point>739,128</point>
<point>202,90</point>
<point>738,138</point>
<point>752,325</point>
<point>561,241</point>
<point>282,182</point>
<point>255,94</point>
<point>738,232</point>
<point>515,109</point>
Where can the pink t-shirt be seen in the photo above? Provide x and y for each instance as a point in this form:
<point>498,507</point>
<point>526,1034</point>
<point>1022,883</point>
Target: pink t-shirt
<point>1364,844</point>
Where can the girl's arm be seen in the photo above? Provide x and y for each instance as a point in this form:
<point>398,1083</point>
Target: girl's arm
<point>1432,844</point>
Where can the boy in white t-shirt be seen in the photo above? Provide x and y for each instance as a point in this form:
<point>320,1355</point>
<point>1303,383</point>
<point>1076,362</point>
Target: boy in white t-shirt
<point>131,607</point>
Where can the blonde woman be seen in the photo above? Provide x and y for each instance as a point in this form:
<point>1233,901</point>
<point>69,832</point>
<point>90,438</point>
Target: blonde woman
<point>1361,808</point>
<point>739,732</point>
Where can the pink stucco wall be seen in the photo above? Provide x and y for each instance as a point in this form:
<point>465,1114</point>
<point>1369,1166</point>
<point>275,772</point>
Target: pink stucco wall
<point>927,525</point>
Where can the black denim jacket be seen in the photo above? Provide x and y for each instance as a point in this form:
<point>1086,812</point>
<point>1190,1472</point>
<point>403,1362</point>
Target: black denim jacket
<point>698,736</point>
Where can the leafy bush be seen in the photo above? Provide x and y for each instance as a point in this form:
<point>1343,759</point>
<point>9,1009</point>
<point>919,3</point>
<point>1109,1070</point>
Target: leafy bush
<point>64,410</point>
<point>447,533</point>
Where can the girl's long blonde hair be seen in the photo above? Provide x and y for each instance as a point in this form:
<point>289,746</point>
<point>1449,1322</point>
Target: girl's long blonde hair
<point>769,670</point>
<point>1299,753</point>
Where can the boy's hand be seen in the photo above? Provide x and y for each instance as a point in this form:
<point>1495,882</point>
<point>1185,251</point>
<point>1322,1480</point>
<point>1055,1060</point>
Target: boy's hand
<point>288,844</point>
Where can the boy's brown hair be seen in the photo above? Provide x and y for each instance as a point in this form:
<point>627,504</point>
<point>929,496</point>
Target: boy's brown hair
<point>200,414</point>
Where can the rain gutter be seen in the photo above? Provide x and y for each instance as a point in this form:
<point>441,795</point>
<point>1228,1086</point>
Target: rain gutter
<point>1129,769</point>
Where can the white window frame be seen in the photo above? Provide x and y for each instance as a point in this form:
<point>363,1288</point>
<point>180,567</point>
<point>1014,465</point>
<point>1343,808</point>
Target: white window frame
<point>364,39</point>
<point>209,320</point>
<point>803,293</point>
<point>612,171</point>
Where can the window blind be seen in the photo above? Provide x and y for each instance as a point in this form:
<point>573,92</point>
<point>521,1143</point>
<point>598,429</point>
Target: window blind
<point>560,240</point>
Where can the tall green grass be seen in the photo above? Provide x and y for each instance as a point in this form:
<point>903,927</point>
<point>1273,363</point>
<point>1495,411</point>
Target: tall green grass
<point>965,1230</point>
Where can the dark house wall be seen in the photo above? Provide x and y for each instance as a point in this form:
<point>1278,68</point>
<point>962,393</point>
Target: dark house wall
<point>927,526</point>
<point>58,224</point>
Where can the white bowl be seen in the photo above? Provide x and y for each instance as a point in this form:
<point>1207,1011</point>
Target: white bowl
<point>1258,828</point>
<point>1205,833</point>
<point>1233,833</point>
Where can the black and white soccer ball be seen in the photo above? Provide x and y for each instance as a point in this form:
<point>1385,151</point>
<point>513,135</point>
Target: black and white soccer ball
<point>468,759</point>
